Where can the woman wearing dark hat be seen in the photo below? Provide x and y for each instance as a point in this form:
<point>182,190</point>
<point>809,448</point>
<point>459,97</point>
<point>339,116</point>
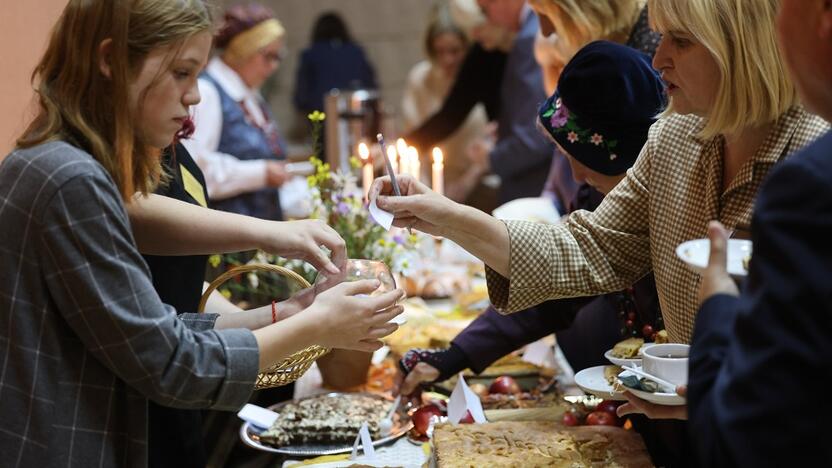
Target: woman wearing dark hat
<point>237,143</point>
<point>626,105</point>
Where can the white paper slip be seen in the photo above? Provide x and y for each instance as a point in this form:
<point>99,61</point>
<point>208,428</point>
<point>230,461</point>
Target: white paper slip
<point>383,218</point>
<point>464,399</point>
<point>257,416</point>
<point>366,443</point>
<point>540,353</point>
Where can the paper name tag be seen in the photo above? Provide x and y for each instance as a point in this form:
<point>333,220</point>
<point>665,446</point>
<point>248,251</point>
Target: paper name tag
<point>257,416</point>
<point>383,218</point>
<point>464,399</point>
<point>366,442</point>
<point>540,353</point>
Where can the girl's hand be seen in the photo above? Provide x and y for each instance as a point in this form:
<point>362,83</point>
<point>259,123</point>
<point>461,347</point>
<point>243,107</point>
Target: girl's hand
<point>348,318</point>
<point>304,240</point>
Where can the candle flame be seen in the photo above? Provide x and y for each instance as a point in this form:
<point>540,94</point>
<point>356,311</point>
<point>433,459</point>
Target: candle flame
<point>363,151</point>
<point>437,155</point>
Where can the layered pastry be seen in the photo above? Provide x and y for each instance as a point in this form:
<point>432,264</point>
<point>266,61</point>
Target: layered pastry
<point>531,444</point>
<point>326,419</point>
<point>611,374</point>
<point>627,349</point>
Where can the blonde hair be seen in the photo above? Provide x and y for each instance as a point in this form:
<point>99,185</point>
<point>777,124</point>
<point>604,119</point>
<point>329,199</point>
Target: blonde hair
<point>79,104</point>
<point>579,22</point>
<point>755,88</point>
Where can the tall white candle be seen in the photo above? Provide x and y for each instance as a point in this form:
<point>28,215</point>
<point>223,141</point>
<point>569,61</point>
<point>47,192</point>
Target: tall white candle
<point>438,172</point>
<point>415,164</point>
<point>366,168</point>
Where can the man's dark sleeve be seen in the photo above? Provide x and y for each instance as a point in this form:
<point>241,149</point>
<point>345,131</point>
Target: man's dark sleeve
<point>759,363</point>
<point>478,81</point>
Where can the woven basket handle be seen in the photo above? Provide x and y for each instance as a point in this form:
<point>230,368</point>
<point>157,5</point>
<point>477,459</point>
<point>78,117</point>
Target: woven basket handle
<point>245,269</point>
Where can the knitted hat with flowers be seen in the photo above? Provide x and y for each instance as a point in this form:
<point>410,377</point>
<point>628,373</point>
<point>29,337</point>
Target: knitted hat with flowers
<point>608,96</point>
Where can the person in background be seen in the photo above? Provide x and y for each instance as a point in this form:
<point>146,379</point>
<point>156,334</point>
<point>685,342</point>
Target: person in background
<point>428,83</point>
<point>236,142</point>
<point>510,85</point>
<point>333,60</point>
<point>88,341</point>
<point>758,359</point>
<point>568,25</point>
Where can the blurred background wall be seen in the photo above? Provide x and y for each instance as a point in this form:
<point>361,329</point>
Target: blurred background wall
<point>389,30</point>
<point>24,29</point>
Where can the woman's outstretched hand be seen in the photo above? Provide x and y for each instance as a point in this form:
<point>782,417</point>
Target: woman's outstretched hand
<point>418,207</point>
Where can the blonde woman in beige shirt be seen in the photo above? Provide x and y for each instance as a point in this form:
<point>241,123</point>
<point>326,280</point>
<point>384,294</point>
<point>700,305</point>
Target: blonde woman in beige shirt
<point>733,114</point>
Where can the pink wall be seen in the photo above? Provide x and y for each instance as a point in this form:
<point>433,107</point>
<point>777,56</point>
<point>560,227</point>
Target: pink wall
<point>24,30</point>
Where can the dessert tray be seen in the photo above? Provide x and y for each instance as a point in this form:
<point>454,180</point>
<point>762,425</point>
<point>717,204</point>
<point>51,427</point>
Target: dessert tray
<point>325,424</point>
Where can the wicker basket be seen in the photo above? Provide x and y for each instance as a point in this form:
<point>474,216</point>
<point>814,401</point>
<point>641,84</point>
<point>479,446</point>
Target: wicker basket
<point>291,368</point>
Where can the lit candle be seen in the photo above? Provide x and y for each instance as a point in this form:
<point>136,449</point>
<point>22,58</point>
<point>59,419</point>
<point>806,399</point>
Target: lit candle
<point>438,172</point>
<point>392,156</point>
<point>366,167</point>
<point>401,147</point>
<point>415,164</point>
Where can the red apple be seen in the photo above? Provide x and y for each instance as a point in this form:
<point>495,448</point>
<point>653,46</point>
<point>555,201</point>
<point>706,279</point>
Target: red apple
<point>422,416</point>
<point>570,418</point>
<point>505,385</point>
<point>467,419</point>
<point>601,418</point>
<point>608,406</point>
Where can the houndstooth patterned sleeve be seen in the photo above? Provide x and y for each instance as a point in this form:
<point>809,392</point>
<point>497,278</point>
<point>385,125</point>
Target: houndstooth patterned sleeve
<point>589,254</point>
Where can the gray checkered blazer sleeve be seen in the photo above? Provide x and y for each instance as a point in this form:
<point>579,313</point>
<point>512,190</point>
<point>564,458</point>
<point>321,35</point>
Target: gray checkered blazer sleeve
<point>96,271</point>
<point>84,339</point>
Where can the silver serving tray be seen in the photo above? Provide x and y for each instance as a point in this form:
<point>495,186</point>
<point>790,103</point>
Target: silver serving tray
<point>250,434</point>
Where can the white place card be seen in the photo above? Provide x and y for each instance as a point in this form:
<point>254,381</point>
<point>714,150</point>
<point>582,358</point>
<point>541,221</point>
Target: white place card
<point>366,443</point>
<point>257,416</point>
<point>464,399</point>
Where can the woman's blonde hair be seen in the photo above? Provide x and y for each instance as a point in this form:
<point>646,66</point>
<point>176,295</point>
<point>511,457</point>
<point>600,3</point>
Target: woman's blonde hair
<point>579,22</point>
<point>755,88</point>
<point>79,104</point>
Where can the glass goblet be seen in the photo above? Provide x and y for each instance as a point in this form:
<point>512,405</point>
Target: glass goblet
<point>360,269</point>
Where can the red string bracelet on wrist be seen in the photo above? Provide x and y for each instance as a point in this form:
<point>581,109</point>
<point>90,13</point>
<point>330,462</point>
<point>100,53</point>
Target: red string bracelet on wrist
<point>274,311</point>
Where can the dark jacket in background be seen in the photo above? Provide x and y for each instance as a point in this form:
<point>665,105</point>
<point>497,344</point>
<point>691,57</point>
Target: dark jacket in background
<point>327,65</point>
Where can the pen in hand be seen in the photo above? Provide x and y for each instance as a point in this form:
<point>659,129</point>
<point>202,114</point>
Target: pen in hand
<point>389,168</point>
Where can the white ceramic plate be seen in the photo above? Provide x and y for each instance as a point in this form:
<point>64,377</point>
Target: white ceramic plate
<point>621,361</point>
<point>695,254</point>
<point>592,381</point>
<point>666,399</point>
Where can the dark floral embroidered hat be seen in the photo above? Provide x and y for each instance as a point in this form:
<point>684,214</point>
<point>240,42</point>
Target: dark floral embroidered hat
<point>608,96</point>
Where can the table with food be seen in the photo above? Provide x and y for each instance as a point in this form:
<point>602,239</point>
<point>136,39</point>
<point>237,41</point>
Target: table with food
<point>533,417</point>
